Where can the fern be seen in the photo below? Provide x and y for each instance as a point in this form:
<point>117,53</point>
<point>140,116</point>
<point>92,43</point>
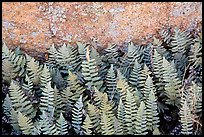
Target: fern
<point>133,79</point>
<point>62,125</point>
<point>186,121</point>
<point>46,126</point>
<point>52,55</point>
<point>111,83</point>
<point>90,73</point>
<point>94,115</point>
<point>147,88</point>
<point>58,103</point>
<point>172,83</point>
<point>47,99</point>
<point>63,55</point>
<point>166,35</point>
<point>122,129</point>
<point>5,51</point>
<point>8,71</point>
<point>130,112</point>
<point>75,60</point>
<point>20,102</point>
<point>141,121</point>
<point>157,71</point>
<point>29,86</point>
<point>26,125</point>
<point>151,111</point>
<point>195,57</point>
<point>87,125</point>
<point>180,41</point>
<point>7,106</point>
<point>81,50</point>
<point>77,115</point>
<point>106,125</point>
<point>45,76</point>
<point>34,71</point>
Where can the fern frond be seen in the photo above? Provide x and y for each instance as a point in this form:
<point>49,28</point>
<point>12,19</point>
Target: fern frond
<point>141,121</point>
<point>186,119</point>
<point>77,115</point>
<point>122,129</point>
<point>63,55</point>
<point>46,126</point>
<point>81,50</point>
<point>45,76</point>
<point>20,102</point>
<point>58,103</point>
<point>157,71</point>
<point>52,55</point>
<point>90,73</point>
<point>151,111</point>
<point>75,60</point>
<point>94,115</point>
<point>7,106</point>
<point>87,125</point>
<point>149,86</point>
<point>47,99</point>
<point>111,83</point>
<point>62,125</point>
<point>106,125</point>
<point>172,83</point>
<point>29,86</point>
<point>34,71</point>
<point>25,124</point>
<point>8,71</point>
<point>180,41</point>
<point>5,51</point>
<point>130,112</point>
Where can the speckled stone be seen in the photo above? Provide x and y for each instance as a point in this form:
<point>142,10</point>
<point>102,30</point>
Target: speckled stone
<point>36,25</point>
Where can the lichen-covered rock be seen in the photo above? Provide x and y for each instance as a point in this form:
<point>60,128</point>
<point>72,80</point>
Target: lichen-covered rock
<point>35,26</point>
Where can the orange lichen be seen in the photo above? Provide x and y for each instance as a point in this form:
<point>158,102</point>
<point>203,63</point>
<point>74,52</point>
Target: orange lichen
<point>37,25</point>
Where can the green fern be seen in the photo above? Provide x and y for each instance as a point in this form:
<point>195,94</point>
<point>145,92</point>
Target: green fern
<point>26,125</point>
<point>45,76</point>
<point>172,83</point>
<point>186,119</point>
<point>8,71</point>
<point>94,115</point>
<point>151,111</point>
<point>90,73</point>
<point>180,41</point>
<point>34,71</point>
<point>122,129</point>
<point>7,106</point>
<point>87,125</point>
<point>130,113</point>
<point>111,83</point>
<point>29,86</point>
<point>62,125</point>
<point>46,126</point>
<point>20,101</point>
<point>141,121</point>
<point>47,99</point>
<point>77,115</point>
<point>106,125</point>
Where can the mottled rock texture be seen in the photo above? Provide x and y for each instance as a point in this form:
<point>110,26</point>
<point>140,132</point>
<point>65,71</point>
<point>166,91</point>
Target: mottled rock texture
<point>34,26</point>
